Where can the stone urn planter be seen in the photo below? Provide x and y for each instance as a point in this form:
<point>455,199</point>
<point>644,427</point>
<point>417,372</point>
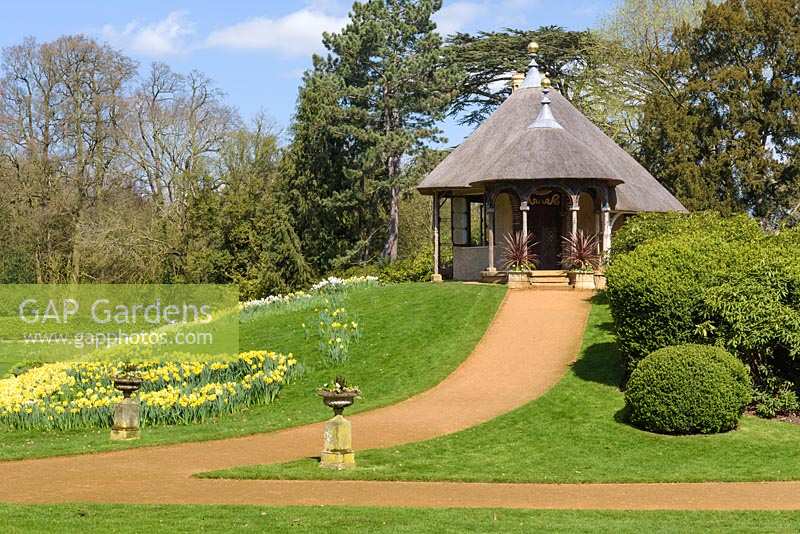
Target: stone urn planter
<point>126,413</point>
<point>338,400</point>
<point>337,448</point>
<point>582,280</point>
<point>519,280</point>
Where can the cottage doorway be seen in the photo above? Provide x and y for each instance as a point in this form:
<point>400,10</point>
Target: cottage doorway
<point>545,224</point>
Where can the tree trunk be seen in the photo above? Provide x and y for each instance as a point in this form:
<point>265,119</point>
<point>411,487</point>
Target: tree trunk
<point>393,237</point>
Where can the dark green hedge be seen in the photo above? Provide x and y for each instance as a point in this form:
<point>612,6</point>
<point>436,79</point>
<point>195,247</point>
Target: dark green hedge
<point>688,389</point>
<point>709,280</point>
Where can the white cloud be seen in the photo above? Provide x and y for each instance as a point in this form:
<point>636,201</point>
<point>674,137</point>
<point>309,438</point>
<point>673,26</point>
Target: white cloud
<point>296,34</point>
<point>458,16</point>
<point>167,37</point>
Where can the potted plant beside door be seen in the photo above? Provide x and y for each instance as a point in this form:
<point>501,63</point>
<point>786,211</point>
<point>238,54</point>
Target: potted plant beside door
<point>519,260</point>
<point>581,258</point>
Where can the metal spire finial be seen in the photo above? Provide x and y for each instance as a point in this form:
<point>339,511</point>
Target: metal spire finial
<point>533,79</point>
<point>545,118</point>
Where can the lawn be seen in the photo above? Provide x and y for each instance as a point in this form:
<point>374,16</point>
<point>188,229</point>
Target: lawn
<point>414,335</point>
<point>574,433</point>
<point>119,519</point>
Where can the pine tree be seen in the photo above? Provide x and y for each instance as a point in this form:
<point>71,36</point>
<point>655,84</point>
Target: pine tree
<point>382,86</point>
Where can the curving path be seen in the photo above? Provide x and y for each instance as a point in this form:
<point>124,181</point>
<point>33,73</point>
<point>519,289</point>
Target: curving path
<point>527,348</point>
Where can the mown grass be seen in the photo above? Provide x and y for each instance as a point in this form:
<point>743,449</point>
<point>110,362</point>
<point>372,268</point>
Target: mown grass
<point>574,433</point>
<point>414,335</point>
<point>89,519</point>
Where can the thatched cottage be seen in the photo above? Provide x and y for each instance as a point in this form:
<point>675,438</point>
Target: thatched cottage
<point>536,166</point>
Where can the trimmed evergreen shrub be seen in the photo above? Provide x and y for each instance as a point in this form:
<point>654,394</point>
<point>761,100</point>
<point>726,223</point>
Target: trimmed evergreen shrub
<point>688,389</point>
<point>703,286</point>
<point>714,281</point>
<point>646,227</point>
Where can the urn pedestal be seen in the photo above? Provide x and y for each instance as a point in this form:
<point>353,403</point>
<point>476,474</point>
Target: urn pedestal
<point>337,449</point>
<point>126,420</point>
<point>126,414</point>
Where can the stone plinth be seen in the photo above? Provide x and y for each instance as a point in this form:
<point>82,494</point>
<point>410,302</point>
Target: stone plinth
<point>337,450</point>
<point>436,278</point>
<point>126,420</point>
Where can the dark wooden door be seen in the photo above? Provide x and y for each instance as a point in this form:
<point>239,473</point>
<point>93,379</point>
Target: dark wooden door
<point>544,222</point>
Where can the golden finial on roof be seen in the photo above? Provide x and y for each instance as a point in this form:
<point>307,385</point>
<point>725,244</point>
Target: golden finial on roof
<point>533,47</point>
<point>516,80</point>
<point>546,83</point>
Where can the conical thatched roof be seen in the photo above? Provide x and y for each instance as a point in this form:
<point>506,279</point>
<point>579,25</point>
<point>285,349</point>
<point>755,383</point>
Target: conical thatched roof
<point>505,148</point>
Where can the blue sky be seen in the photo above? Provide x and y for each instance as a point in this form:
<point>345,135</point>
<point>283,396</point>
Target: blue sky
<point>256,51</point>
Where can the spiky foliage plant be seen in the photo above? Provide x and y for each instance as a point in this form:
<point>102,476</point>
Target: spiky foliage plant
<point>581,252</point>
<point>518,253</point>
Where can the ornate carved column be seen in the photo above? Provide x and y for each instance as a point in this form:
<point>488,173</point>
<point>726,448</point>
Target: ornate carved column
<point>574,207</point>
<point>605,222</point>
<point>437,277</point>
<point>523,207</point>
<point>490,236</point>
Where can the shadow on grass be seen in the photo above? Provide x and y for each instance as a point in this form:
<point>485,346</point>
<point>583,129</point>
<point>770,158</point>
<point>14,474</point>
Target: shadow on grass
<point>600,363</point>
<point>599,298</point>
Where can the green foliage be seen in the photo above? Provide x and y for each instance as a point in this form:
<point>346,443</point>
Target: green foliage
<point>724,135</point>
<point>710,280</point>
<point>688,389</point>
<point>417,268</point>
<point>782,400</point>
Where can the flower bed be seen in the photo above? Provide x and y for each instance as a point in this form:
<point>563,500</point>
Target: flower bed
<point>71,395</point>
<point>305,299</point>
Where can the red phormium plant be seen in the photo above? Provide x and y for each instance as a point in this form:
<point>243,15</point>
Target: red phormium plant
<point>517,254</point>
<point>581,252</point>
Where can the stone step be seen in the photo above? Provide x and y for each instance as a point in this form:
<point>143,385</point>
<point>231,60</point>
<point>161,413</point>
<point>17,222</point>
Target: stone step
<point>546,273</point>
<point>550,280</point>
<point>551,287</point>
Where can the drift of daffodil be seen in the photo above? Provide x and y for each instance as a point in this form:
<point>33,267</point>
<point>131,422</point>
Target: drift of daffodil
<point>336,334</point>
<point>62,396</point>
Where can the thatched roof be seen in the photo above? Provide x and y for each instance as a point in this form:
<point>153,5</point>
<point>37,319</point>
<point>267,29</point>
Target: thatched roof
<point>505,148</point>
